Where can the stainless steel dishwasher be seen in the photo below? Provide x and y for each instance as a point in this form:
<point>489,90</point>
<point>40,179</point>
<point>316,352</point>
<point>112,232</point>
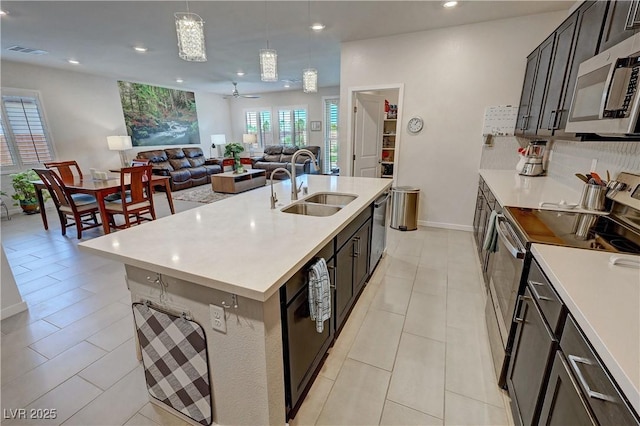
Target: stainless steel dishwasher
<point>379,230</point>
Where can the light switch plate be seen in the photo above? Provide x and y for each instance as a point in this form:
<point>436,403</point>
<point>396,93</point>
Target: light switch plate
<point>218,320</point>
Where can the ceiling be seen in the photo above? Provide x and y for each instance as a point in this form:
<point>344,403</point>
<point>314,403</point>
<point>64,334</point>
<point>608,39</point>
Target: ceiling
<point>101,35</point>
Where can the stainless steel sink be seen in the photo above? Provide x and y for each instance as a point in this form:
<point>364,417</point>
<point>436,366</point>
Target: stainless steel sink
<point>310,209</point>
<point>330,198</point>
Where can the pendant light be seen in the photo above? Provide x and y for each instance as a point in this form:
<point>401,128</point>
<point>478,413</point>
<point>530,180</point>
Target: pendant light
<point>309,75</point>
<point>190,31</point>
<point>268,57</point>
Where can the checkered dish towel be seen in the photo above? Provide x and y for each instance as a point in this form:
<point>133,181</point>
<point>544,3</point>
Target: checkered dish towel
<point>319,294</point>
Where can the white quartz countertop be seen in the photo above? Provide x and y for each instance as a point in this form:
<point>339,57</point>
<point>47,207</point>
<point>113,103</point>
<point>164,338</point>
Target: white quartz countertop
<point>514,190</point>
<point>239,244</point>
<point>605,302</point>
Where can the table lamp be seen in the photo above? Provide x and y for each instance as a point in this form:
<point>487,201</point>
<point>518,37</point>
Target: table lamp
<point>250,140</point>
<point>120,143</point>
<point>217,140</point>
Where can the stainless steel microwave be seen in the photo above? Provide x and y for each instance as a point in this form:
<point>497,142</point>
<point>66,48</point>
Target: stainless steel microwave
<point>606,100</point>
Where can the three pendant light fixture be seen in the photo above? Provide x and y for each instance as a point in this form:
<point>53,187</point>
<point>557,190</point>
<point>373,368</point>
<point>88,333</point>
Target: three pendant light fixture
<point>191,47</point>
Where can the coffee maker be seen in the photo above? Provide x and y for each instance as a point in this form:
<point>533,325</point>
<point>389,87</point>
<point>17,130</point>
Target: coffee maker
<point>535,159</point>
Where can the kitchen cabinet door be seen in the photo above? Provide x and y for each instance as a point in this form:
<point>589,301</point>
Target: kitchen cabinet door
<point>619,23</point>
<point>563,402</point>
<point>553,108</point>
<point>527,89</point>
<point>361,257</point>
<point>539,86</point>
<point>532,348</point>
<point>344,282</point>
<point>478,221</point>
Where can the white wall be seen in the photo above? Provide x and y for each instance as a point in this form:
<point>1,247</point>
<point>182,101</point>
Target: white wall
<point>11,302</point>
<point>273,100</point>
<point>82,110</point>
<point>449,75</point>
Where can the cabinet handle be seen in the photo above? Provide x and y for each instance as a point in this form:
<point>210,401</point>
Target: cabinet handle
<point>518,320</point>
<point>525,119</point>
<point>631,22</point>
<point>552,120</point>
<point>535,291</point>
<point>574,360</point>
<point>356,252</point>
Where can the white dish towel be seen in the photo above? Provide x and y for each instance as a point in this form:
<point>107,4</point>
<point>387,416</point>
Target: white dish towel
<point>319,294</point>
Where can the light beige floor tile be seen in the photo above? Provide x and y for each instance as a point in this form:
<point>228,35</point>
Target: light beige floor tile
<point>399,415</point>
<point>431,281</point>
<point>114,335</point>
<point>40,272</point>
<point>161,416</point>
<point>18,361</point>
<point>426,316</point>
<point>27,335</point>
<point>464,280</point>
<point>417,381</point>
<point>403,267</point>
<point>461,411</point>
<point>465,309</point>
<point>409,247</point>
<point>80,330</point>
<point>434,256</point>
<point>66,399</point>
<point>464,238</point>
<point>377,340</point>
<point>469,366</point>
<point>35,383</point>
<point>51,291</point>
<point>112,367</point>
<point>36,285</point>
<point>357,397</point>
<point>129,395</point>
<point>393,295</point>
<point>140,420</point>
<point>84,308</point>
<point>313,402</point>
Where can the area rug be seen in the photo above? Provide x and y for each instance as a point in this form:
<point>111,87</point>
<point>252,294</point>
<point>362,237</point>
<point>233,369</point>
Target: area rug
<point>202,194</point>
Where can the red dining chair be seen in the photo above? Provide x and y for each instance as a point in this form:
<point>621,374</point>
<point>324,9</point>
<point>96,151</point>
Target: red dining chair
<point>67,170</point>
<point>138,200</point>
<point>81,208</point>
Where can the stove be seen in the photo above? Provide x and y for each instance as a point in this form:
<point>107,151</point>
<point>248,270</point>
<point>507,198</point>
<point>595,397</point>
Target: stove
<point>617,232</point>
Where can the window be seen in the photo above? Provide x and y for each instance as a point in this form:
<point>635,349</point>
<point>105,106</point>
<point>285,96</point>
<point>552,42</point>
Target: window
<point>331,110</point>
<point>292,126</point>
<point>259,123</point>
<point>23,136</point>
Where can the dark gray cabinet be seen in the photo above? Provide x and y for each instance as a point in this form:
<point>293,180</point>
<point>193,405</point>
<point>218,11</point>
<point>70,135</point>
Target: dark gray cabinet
<point>485,203</point>
<point>621,22</point>
<point>552,68</point>
<point>352,265</point>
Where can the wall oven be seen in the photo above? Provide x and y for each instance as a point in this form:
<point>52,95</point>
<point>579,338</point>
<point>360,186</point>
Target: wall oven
<point>506,265</point>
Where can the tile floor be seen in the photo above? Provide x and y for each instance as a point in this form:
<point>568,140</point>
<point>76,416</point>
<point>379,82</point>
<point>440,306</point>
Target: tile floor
<point>414,350</point>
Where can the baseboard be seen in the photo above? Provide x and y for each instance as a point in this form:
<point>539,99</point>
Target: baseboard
<point>13,309</point>
<point>453,226</point>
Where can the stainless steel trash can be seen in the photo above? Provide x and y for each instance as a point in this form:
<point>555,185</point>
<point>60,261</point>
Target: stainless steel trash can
<point>404,208</point>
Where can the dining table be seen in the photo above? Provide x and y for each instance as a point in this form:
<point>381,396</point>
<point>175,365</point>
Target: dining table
<point>99,189</point>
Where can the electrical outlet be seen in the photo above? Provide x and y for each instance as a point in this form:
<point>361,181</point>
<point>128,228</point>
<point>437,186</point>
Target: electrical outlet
<point>594,164</point>
<point>218,320</point>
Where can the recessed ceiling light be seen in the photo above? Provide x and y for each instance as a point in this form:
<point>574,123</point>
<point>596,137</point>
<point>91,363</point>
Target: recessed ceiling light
<point>317,26</point>
<point>2,13</point>
<point>240,73</point>
<point>287,85</point>
<point>73,61</point>
<point>179,80</point>
<point>140,49</point>
<point>450,4</point>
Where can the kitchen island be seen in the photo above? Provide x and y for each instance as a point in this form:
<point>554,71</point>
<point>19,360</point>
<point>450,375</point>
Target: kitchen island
<point>235,253</point>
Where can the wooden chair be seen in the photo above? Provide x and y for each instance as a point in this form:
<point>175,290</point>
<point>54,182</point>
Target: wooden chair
<point>138,198</point>
<point>78,207</point>
<point>65,169</point>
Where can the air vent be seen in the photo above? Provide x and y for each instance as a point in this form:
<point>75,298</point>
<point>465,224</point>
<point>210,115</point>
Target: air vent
<point>27,50</point>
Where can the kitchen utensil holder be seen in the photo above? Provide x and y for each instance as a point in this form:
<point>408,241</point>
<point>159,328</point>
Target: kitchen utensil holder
<point>593,197</point>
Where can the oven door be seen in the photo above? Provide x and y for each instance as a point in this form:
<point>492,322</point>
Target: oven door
<point>505,268</point>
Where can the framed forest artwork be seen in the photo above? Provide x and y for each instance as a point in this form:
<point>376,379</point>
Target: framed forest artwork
<point>159,116</point>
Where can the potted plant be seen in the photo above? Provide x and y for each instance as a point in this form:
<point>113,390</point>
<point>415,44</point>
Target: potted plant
<point>25,192</point>
<point>233,150</point>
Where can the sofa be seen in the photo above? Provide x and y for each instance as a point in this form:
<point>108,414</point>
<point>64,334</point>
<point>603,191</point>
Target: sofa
<point>187,167</point>
<point>280,156</point>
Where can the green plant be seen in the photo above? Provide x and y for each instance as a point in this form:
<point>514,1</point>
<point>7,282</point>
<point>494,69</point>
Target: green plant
<point>233,150</point>
<point>25,192</point>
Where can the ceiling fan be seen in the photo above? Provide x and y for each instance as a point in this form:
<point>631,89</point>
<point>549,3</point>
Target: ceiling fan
<point>236,95</point>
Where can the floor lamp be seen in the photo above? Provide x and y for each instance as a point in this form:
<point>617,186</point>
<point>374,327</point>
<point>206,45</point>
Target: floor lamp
<point>120,143</point>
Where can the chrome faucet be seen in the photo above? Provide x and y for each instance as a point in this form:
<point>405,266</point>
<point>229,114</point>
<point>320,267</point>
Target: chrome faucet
<point>314,165</point>
<point>274,198</point>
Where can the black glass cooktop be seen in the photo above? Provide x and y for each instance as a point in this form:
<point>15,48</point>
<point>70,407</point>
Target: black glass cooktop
<point>580,230</point>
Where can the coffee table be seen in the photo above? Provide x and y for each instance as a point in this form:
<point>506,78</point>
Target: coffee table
<point>233,183</point>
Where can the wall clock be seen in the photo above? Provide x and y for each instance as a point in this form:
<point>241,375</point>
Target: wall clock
<point>415,125</point>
